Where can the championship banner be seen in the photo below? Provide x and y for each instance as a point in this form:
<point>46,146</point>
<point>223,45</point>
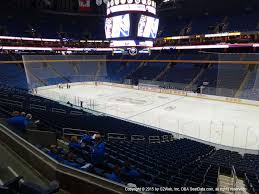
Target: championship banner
<point>84,5</point>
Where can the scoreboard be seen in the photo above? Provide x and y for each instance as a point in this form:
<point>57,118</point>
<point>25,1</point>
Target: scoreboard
<point>117,26</point>
<point>147,27</point>
<point>131,23</point>
<point>114,6</point>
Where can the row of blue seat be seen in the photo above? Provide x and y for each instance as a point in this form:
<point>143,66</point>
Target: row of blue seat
<point>181,160</point>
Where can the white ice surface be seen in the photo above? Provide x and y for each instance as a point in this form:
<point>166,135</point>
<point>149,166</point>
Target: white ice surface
<point>223,123</point>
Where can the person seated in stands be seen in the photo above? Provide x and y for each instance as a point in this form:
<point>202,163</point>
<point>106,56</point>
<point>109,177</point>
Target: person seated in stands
<point>129,171</point>
<point>97,151</point>
<point>114,175</point>
<point>15,113</point>
<point>55,152</point>
<point>87,139</point>
<point>20,121</point>
<point>74,144</point>
<point>70,160</point>
<point>17,121</point>
<point>28,120</point>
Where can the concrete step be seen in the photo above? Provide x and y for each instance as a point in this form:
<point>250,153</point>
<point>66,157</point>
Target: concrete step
<point>227,182</point>
<point>225,192</point>
<point>224,177</point>
<point>224,184</point>
<point>228,192</point>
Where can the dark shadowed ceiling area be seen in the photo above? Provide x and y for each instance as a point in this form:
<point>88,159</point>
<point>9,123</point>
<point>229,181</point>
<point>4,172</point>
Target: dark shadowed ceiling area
<point>204,7</point>
<point>165,7</point>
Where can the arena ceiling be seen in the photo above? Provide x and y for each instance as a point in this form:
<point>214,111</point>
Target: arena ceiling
<point>168,7</point>
<point>185,7</point>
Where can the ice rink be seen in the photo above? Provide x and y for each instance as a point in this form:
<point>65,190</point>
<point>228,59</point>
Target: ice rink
<point>224,123</point>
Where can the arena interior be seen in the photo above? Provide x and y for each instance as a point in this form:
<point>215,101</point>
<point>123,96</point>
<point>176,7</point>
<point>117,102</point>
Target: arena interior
<point>129,96</point>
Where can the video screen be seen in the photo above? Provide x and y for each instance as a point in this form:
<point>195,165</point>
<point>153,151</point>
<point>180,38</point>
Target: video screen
<point>117,26</point>
<point>147,27</point>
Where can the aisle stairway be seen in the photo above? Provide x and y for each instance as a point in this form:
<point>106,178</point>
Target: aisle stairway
<point>56,72</point>
<point>227,182</point>
<point>195,78</point>
<point>167,67</point>
<point>134,70</point>
<point>243,84</point>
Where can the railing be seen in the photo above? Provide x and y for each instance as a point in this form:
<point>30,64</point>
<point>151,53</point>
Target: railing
<point>58,110</point>
<point>234,178</point>
<point>165,138</point>
<point>116,136</point>
<point>218,179</point>
<point>38,107</point>
<point>136,138</point>
<point>11,103</point>
<point>76,132</point>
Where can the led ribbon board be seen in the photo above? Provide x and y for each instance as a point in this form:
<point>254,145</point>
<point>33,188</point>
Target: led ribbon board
<point>114,6</point>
